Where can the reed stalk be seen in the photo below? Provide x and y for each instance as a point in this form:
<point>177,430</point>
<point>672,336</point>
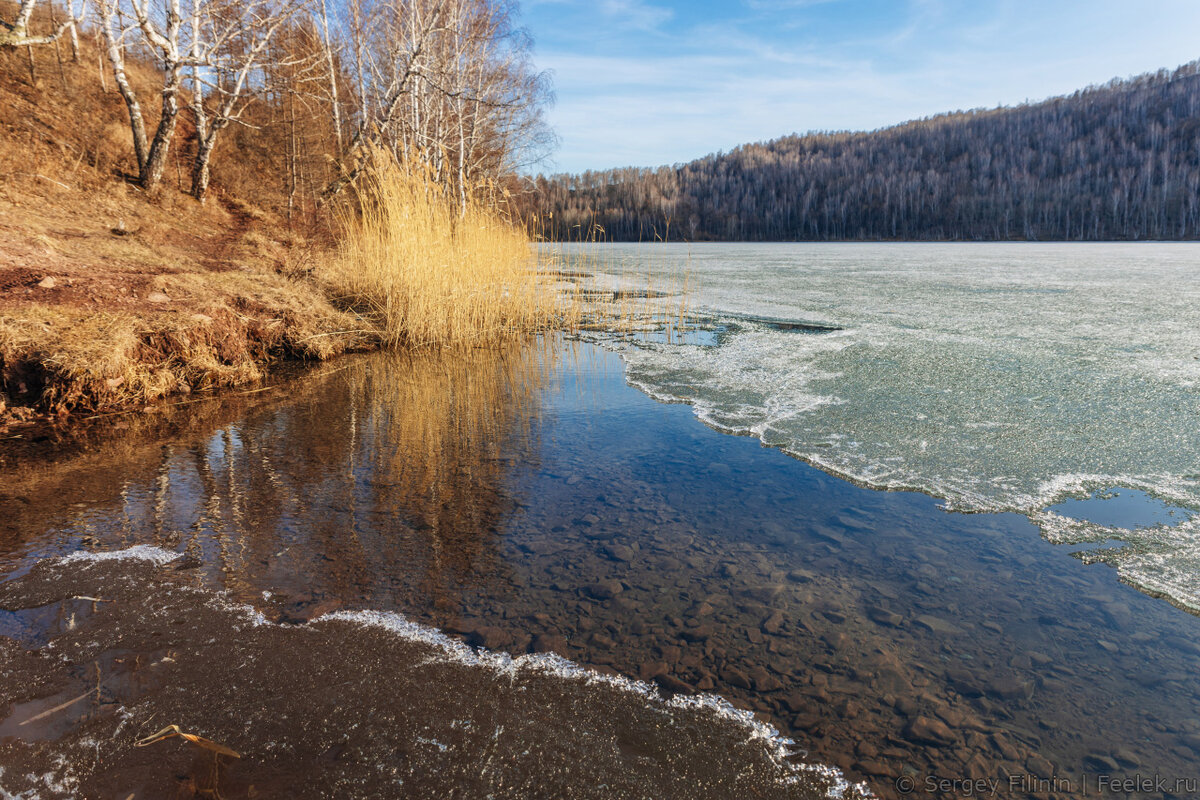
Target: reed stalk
<point>431,269</point>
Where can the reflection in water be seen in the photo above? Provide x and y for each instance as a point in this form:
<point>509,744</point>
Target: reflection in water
<point>383,477</point>
<point>532,506</point>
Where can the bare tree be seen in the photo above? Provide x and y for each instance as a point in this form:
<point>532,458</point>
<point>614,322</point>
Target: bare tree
<point>114,33</point>
<point>394,53</point>
<point>447,82</point>
<point>335,104</point>
<point>16,33</point>
<point>228,44</point>
<point>161,27</point>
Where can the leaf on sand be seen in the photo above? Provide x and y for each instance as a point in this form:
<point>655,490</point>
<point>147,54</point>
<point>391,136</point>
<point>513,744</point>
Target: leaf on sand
<point>174,730</point>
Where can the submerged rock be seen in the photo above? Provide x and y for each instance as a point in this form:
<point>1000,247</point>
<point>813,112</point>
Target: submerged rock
<point>925,730</point>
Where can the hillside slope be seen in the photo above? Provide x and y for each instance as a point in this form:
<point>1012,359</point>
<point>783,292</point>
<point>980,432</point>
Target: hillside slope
<point>112,297</point>
<point>1119,161</point>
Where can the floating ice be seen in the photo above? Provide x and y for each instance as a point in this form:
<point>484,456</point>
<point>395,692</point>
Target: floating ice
<point>141,552</point>
<point>997,377</point>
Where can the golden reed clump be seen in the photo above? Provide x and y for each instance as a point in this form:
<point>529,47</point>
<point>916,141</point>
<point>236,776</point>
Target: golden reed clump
<point>429,267</point>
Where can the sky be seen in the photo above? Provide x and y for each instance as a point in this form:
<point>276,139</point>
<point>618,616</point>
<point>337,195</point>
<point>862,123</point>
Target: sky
<point>651,82</point>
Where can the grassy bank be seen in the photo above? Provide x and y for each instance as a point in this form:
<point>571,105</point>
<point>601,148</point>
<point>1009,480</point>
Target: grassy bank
<point>109,299</point>
<point>114,298</point>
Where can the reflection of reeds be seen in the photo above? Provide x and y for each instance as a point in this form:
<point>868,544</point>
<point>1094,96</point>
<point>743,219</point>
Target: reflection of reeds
<point>389,470</point>
<point>442,431</point>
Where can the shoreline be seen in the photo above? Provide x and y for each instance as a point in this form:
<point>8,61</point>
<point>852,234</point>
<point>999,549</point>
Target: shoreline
<point>876,630</point>
<point>191,300</point>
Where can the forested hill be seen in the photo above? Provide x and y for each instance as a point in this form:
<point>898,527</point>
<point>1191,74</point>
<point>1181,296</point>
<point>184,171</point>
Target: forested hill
<point>1118,161</point>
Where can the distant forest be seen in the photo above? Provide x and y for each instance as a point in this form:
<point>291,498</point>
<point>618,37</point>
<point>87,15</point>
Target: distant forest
<point>1119,161</point>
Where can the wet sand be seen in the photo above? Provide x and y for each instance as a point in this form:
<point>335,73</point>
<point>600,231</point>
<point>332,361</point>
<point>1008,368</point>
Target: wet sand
<point>340,707</point>
<point>537,504</point>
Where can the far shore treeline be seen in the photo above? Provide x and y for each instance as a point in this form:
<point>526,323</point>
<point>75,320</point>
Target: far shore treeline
<point>1114,162</point>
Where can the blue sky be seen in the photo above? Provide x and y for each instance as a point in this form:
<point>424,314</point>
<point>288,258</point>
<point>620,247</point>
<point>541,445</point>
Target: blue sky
<point>649,82</point>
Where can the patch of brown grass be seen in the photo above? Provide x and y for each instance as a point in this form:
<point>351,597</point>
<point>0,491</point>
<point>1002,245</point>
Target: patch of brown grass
<point>63,358</point>
<point>430,270</point>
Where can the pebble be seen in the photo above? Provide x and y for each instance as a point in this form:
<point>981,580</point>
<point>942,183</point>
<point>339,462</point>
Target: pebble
<point>796,702</point>
<point>837,642</point>
<point>549,643</point>
<point>889,679</point>
<point>604,590</point>
<point>1101,764</point>
<point>735,677</point>
<point>924,730</point>
<point>764,681</point>
<point>937,625</point>
<point>47,283</point>
<point>157,297</point>
<point>877,769</point>
<point>602,641</point>
<point>489,637</point>
<point>806,722</point>
<point>773,624</point>
<point>882,616</point>
<point>964,682</point>
<point>1040,767</point>
<point>673,685</point>
<point>619,552</point>
<point>1009,688</point>
<point>1127,758</point>
<point>648,670</point>
<point>1040,659</point>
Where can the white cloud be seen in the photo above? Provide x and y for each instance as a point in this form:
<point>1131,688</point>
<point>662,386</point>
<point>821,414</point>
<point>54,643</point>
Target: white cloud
<point>636,14</point>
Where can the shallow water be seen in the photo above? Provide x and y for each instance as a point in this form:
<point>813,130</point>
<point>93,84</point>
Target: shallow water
<point>537,503</point>
<point>362,704</point>
<point>995,377</point>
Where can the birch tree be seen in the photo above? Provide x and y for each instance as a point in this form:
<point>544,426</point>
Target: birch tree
<point>228,43</point>
<point>17,33</point>
<point>446,82</point>
<point>160,24</point>
<point>394,48</point>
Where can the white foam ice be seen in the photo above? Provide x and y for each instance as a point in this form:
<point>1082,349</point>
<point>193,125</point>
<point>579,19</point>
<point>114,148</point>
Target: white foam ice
<point>776,746</point>
<point>997,377</point>
<point>141,552</point>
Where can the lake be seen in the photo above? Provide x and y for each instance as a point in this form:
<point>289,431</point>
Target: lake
<point>380,560</point>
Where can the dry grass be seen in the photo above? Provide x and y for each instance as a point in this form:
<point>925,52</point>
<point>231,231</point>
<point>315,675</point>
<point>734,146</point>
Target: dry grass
<point>111,297</point>
<point>75,359</point>
<point>648,290</point>
<point>429,271</point>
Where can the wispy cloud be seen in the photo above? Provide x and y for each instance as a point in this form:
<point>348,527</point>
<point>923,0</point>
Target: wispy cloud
<point>636,14</point>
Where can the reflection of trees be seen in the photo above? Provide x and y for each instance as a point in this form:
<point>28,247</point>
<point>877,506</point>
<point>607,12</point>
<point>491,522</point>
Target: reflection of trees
<point>381,477</point>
